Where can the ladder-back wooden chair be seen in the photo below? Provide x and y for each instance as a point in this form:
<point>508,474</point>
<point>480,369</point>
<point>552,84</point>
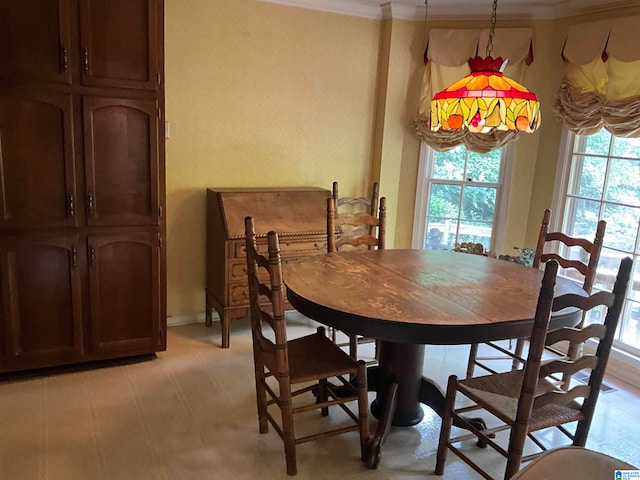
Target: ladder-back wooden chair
<point>285,369</point>
<point>356,223</point>
<point>356,206</point>
<point>529,400</point>
<point>581,264</point>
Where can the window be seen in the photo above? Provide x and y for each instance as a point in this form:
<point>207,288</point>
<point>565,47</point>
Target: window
<point>600,179</point>
<point>460,198</point>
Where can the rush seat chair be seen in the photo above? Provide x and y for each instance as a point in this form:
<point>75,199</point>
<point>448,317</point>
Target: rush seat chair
<point>285,369</point>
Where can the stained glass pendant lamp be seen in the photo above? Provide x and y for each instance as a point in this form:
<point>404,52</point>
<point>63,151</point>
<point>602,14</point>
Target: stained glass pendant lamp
<point>486,100</point>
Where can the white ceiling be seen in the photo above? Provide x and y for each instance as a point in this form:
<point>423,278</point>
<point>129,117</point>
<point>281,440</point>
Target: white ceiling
<point>415,9</point>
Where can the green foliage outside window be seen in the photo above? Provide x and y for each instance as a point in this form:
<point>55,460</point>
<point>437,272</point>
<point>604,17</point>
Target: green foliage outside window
<point>609,173</point>
<point>462,197</point>
<point>478,203</point>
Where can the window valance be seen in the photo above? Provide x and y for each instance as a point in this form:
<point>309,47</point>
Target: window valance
<point>446,58</point>
<point>601,87</point>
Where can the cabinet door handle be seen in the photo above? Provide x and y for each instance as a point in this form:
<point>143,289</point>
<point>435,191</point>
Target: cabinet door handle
<point>65,60</point>
<point>90,203</point>
<point>92,255</point>
<point>85,60</point>
<point>74,257</point>
<point>71,204</point>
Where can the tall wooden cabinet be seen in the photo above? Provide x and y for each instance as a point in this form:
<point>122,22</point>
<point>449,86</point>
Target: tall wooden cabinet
<point>82,181</point>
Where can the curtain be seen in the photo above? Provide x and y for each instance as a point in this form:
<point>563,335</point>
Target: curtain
<point>601,88</point>
<point>446,58</point>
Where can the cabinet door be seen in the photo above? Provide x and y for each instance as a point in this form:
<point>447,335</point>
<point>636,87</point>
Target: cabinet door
<point>124,277</point>
<point>119,43</point>
<point>121,161</point>
<point>35,40</point>
<point>37,178</point>
<point>40,312</point>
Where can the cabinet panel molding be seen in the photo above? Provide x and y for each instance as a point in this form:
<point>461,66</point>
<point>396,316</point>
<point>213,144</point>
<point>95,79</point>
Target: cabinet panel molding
<point>121,161</point>
<point>37,163</point>
<point>41,53</point>
<point>41,300</point>
<point>119,43</point>
<point>124,277</point>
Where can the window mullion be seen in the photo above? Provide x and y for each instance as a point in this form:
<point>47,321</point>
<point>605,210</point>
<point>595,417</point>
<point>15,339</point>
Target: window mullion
<point>578,173</point>
<point>463,186</point>
<point>605,186</point>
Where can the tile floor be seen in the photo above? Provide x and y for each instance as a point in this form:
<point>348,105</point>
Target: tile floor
<point>190,414</point>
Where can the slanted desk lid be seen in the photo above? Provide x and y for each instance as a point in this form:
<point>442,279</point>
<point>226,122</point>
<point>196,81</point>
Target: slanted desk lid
<point>290,211</point>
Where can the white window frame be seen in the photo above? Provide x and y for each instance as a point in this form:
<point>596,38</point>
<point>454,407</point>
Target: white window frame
<point>422,196</point>
<point>622,364</point>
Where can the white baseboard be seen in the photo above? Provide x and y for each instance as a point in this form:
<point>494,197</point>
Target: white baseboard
<point>174,321</point>
<point>624,367</point>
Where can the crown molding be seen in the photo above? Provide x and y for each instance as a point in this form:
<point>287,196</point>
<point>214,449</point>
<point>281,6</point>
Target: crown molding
<point>455,10</point>
<point>353,8</point>
<point>572,8</point>
<point>399,10</point>
<point>483,12</point>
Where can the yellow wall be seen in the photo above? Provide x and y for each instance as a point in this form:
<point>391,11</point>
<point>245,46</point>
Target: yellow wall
<point>534,151</point>
<point>396,148</point>
<point>259,94</point>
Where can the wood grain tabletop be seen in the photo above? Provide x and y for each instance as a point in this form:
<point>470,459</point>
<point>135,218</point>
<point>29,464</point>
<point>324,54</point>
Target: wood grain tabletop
<point>421,296</point>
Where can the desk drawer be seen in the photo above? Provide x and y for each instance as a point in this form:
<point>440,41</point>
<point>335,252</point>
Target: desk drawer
<point>239,296</point>
<point>288,246</point>
<point>238,270</point>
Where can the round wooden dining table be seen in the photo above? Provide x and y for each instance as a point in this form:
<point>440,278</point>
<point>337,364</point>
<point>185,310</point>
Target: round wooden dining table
<point>409,298</point>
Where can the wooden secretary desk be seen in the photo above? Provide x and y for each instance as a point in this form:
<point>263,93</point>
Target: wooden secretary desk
<point>297,214</point>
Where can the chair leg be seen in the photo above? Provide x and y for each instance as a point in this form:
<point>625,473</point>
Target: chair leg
<point>374,448</point>
<point>322,395</point>
<point>518,353</point>
<point>288,435</point>
<point>583,427</point>
<point>445,429</point>
<point>261,398</point>
<point>226,329</point>
<point>516,449</point>
<point>353,346</point>
<point>471,364</point>
<point>574,350</point>
<point>363,408</point>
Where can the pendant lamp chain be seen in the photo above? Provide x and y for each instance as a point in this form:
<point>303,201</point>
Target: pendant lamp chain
<point>426,32</point>
<point>426,8</point>
<point>492,28</point>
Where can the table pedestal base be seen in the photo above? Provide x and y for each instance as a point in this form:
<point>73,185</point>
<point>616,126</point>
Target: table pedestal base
<point>401,389</point>
<point>399,363</point>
